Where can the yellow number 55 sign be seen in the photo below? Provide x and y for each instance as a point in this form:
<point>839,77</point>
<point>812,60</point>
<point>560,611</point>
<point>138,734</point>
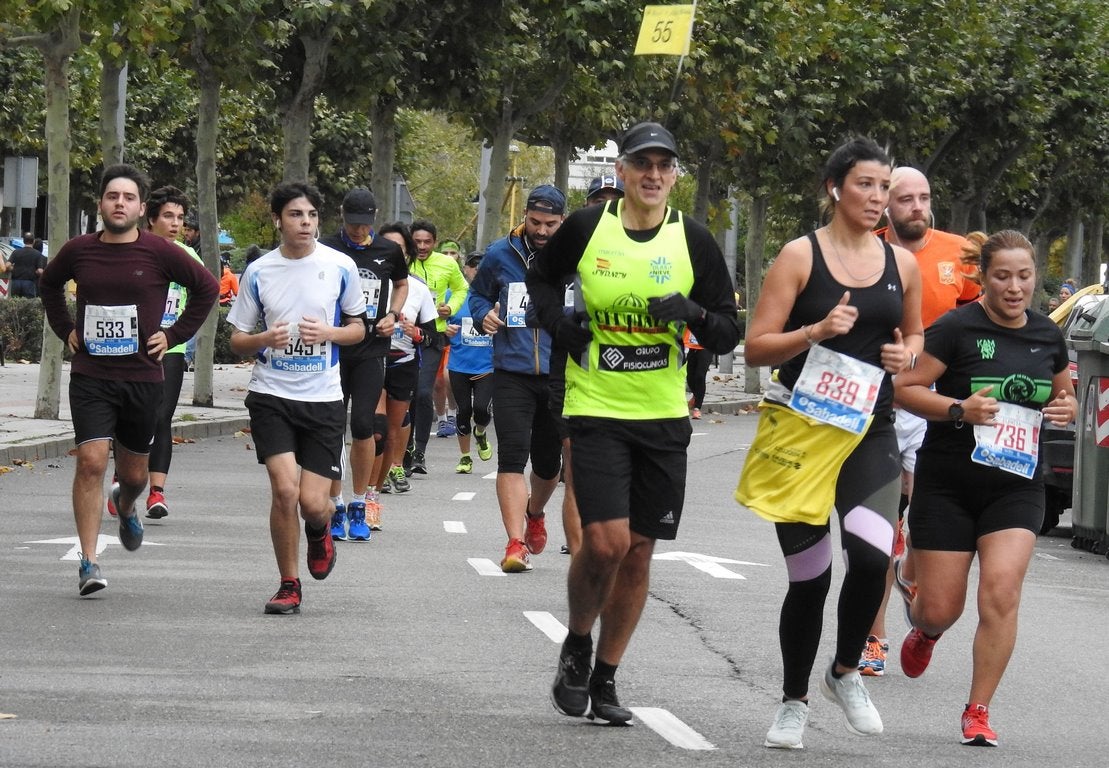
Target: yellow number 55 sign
<point>666,29</point>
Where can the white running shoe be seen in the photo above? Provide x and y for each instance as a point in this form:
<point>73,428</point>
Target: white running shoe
<point>789,726</point>
<point>851,696</point>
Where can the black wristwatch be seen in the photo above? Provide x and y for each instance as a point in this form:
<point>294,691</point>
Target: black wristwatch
<point>956,412</point>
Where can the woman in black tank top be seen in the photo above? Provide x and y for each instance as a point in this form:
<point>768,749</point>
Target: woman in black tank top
<point>842,288</point>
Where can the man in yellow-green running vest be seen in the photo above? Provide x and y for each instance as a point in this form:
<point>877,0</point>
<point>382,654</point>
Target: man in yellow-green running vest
<point>642,272</point>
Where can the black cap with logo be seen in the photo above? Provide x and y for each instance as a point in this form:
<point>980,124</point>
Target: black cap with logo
<point>643,136</point>
<point>359,207</point>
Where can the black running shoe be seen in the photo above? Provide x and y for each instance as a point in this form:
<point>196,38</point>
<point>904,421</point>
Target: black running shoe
<point>419,466</point>
<point>604,707</point>
<point>570,692</point>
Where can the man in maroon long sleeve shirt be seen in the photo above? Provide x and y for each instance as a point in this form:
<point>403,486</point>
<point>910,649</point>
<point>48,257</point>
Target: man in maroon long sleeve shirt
<point>122,275</point>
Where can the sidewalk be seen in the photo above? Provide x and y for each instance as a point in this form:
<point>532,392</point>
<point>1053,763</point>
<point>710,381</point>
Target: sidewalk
<point>25,438</point>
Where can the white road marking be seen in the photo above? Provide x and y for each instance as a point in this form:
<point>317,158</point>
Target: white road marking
<point>464,496</point>
<point>547,624</point>
<point>454,526</point>
<point>708,563</point>
<point>1046,556</point>
<point>671,728</point>
<point>491,476</point>
<point>74,552</point>
<point>484,566</point>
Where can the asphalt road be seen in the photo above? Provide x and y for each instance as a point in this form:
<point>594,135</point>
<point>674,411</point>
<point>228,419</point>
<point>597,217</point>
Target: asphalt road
<point>407,655</point>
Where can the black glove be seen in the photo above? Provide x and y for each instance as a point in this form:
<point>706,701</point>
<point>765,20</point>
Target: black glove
<point>673,307</point>
<point>571,335</point>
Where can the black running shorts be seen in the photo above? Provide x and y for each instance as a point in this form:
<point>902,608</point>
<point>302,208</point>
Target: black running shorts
<point>362,380</point>
<point>314,432</point>
<point>630,469</point>
<point>106,408</point>
<point>956,501</point>
<point>401,380</point>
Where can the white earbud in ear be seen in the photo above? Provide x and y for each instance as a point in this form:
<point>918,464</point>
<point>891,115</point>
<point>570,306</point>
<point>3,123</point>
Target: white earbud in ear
<point>835,194</point>
<point>887,213</point>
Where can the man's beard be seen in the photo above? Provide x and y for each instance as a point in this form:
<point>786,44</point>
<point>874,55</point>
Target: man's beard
<point>119,229</point>
<point>910,230</point>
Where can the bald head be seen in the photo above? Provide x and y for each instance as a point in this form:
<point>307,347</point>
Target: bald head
<point>910,205</point>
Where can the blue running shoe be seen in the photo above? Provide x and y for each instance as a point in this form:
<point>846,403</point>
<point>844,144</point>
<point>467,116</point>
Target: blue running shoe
<point>359,530</point>
<point>339,523</point>
<point>90,578</point>
<point>130,526</point>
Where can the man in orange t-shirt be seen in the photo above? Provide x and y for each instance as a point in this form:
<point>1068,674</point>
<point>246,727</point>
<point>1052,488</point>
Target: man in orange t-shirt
<point>946,282</point>
<point>228,283</point>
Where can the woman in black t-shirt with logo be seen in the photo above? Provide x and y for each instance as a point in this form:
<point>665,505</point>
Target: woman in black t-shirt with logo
<point>999,369</point>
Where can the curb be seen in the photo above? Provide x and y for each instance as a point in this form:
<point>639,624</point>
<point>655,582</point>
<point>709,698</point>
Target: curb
<point>58,447</point>
<point>197,430</point>
<point>733,407</point>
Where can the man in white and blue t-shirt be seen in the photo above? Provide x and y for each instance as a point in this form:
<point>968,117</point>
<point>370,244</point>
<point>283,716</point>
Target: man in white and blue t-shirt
<point>307,299</point>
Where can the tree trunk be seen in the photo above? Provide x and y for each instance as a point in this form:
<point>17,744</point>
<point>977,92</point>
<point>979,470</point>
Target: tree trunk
<point>113,83</point>
<point>207,132</point>
<point>753,254</point>
<point>731,238</point>
<point>702,198</point>
<point>383,145</point>
<point>562,151</point>
<point>1074,245</point>
<point>959,217</point>
<point>297,120</point>
<point>1091,272</point>
<point>493,195</point>
<point>57,47</point>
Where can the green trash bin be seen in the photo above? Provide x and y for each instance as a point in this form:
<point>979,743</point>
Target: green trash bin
<point>1088,336</point>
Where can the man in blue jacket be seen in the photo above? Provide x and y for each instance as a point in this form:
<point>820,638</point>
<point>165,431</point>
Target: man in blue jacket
<point>498,302</point>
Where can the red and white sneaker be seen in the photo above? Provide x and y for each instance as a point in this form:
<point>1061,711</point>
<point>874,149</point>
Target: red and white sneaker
<point>976,727</point>
<point>516,558</point>
<point>916,652</point>
<point>287,598</point>
<point>156,507</point>
<point>321,554</point>
<point>535,538</point>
